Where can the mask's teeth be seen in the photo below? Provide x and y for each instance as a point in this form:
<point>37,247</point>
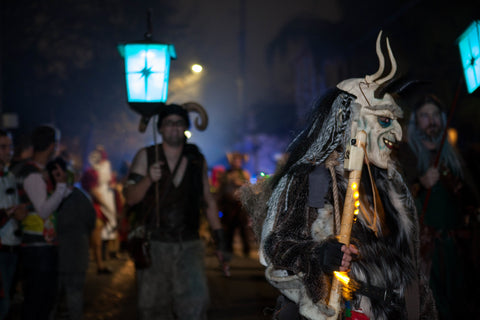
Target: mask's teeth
<point>388,142</point>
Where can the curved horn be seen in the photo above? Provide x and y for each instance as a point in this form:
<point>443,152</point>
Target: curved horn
<point>394,66</point>
<point>381,61</point>
<point>201,122</point>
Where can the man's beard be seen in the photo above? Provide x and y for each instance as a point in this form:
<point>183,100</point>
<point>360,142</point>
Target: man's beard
<point>174,141</point>
<point>432,132</point>
<point>433,135</point>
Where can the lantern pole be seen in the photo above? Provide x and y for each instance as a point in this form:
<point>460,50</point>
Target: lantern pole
<point>149,33</point>
<point>149,36</point>
<point>147,95</point>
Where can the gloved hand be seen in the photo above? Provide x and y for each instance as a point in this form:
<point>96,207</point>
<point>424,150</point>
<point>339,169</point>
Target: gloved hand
<point>155,171</point>
<point>331,256</point>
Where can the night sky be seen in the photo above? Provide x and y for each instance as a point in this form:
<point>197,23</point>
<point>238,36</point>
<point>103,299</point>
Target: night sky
<point>59,63</point>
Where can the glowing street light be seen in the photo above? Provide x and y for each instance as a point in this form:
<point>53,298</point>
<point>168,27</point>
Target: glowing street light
<point>197,68</point>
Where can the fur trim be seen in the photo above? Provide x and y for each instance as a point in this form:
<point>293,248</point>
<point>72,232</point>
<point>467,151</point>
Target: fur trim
<point>254,198</point>
<point>322,227</point>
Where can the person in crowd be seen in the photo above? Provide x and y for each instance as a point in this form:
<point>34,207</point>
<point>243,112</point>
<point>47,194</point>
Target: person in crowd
<point>234,215</point>
<point>11,213</point>
<point>344,156</point>
<point>444,203</point>
<point>175,284</point>
<point>22,151</point>
<point>97,181</point>
<point>75,222</point>
<point>39,241</point>
<point>122,209</point>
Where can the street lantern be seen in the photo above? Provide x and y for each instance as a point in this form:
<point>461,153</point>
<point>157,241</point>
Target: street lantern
<point>147,69</point>
<point>147,66</point>
<point>469,45</point>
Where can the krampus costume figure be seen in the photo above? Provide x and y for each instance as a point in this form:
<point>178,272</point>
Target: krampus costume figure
<point>297,223</point>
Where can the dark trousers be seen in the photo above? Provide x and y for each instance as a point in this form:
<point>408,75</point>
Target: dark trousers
<point>236,218</point>
<point>39,281</point>
<point>8,265</point>
<point>70,294</point>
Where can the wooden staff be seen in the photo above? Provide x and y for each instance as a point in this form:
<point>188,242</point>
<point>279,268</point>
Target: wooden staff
<point>157,192</point>
<point>353,162</point>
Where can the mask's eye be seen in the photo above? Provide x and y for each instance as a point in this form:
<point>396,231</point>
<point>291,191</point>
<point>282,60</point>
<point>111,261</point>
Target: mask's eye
<point>384,121</point>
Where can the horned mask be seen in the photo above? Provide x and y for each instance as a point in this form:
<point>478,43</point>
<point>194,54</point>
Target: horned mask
<point>375,111</point>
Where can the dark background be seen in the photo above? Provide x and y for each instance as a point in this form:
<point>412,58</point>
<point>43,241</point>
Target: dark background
<point>59,64</point>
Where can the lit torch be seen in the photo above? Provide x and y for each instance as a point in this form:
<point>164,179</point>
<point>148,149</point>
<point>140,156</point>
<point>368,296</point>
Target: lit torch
<point>353,162</point>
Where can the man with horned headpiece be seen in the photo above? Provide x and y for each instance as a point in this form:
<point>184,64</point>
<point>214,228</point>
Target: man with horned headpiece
<point>175,285</point>
<point>301,211</point>
<point>234,216</point>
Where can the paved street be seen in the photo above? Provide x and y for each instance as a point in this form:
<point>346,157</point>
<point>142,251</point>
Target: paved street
<point>243,296</point>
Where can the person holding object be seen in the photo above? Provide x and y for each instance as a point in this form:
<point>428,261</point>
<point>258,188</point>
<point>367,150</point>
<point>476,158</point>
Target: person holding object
<point>175,284</point>
<point>446,204</point>
<point>302,230</point>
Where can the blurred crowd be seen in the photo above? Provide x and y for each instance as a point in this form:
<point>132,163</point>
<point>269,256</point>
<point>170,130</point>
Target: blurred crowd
<point>56,217</point>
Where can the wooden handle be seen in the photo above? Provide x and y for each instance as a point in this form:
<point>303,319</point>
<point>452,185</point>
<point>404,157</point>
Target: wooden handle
<point>349,207</point>
<point>356,154</point>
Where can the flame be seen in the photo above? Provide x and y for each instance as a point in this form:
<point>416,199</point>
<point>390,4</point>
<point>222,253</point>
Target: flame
<point>348,285</point>
<point>342,277</point>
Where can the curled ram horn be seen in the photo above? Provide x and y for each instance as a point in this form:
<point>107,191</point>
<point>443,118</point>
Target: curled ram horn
<point>201,122</point>
<point>376,76</point>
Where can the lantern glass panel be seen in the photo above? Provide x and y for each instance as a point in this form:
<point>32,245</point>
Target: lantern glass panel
<point>469,46</point>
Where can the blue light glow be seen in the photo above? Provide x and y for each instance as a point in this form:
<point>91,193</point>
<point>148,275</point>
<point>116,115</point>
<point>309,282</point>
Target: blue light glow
<point>147,67</point>
<point>469,46</point>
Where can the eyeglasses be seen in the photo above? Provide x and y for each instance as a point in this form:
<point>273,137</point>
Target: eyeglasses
<point>6,146</point>
<point>177,123</point>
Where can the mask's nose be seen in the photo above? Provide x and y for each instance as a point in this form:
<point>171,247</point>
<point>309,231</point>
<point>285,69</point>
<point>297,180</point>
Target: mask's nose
<point>397,130</point>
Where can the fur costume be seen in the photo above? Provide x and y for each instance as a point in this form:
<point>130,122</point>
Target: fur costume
<point>293,234</point>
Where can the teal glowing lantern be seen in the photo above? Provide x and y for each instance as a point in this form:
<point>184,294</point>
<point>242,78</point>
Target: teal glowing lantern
<point>147,68</point>
<point>469,45</point>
